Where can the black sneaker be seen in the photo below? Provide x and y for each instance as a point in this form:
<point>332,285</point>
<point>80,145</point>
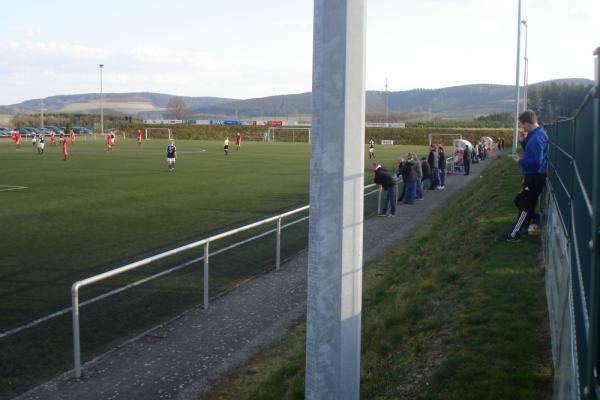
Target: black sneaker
<point>507,238</point>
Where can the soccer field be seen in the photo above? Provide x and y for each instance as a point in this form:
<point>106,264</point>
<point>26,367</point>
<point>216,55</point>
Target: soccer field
<point>67,220</point>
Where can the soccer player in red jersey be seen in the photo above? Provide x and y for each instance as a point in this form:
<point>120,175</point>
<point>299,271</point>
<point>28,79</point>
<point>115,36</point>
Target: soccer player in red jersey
<point>18,139</point>
<point>65,145</point>
<point>139,136</point>
<point>238,140</point>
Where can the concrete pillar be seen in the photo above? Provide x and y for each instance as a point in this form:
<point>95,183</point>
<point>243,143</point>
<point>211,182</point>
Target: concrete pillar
<point>336,201</point>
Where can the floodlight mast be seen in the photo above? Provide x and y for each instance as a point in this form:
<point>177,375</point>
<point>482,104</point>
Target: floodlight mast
<point>516,122</point>
<point>526,72</point>
<point>101,103</point>
<point>335,249</point>
<point>387,104</point>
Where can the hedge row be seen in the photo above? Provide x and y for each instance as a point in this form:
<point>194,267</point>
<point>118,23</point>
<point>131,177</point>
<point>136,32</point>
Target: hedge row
<point>412,136</point>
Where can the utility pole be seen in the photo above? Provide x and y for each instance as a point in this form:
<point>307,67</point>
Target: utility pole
<point>335,249</point>
<point>526,73</point>
<point>516,123</point>
<point>387,103</point>
<point>42,113</point>
<point>101,103</point>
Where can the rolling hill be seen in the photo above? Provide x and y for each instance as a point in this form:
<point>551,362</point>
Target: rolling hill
<point>466,101</point>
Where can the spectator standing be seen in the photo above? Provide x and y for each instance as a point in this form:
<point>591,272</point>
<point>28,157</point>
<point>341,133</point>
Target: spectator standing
<point>426,169</point>
<point>442,167</point>
<point>433,161</point>
<point>534,167</point>
<point>401,163</point>
<point>419,166</point>
<point>467,160</point>
<point>475,154</point>
<point>410,176</point>
<point>387,181</point>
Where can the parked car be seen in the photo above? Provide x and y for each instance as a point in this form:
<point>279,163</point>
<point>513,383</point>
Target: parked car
<point>55,129</point>
<point>82,130</point>
<point>5,132</point>
<point>26,130</point>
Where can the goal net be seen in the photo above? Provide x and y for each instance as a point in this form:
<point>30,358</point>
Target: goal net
<point>279,134</point>
<point>159,133</point>
<point>445,139</point>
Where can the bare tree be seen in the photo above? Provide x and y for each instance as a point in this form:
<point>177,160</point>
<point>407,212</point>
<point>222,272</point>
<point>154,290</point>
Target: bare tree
<point>177,109</point>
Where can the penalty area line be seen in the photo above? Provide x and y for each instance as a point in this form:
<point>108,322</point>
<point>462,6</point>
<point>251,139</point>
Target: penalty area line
<point>6,188</point>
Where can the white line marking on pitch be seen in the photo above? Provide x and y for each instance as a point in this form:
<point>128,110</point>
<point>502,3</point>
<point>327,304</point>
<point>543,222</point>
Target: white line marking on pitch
<point>10,187</point>
<point>191,152</point>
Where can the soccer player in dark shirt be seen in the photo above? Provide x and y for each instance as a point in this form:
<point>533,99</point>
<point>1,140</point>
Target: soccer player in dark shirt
<point>171,150</point>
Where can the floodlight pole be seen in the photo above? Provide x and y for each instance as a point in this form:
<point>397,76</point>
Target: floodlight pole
<point>516,123</point>
<point>42,113</point>
<point>101,103</point>
<point>335,249</point>
<point>387,108</point>
<point>526,72</point>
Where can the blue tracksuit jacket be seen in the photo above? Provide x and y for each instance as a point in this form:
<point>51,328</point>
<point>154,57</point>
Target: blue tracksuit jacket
<point>535,159</point>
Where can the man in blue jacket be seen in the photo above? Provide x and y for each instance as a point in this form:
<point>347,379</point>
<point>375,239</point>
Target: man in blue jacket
<point>534,167</point>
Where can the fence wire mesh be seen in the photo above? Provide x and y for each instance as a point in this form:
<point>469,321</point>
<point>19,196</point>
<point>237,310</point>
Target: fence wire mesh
<point>570,248</point>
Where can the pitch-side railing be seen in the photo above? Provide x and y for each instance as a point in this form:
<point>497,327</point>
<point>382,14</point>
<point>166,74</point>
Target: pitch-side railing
<point>204,242</point>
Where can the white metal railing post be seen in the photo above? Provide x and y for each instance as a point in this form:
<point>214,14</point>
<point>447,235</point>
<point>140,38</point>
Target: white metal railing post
<point>379,199</point>
<point>278,249</point>
<point>76,346</point>
<point>206,247</point>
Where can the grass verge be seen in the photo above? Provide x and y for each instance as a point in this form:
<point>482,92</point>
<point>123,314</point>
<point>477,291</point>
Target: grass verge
<point>451,315</point>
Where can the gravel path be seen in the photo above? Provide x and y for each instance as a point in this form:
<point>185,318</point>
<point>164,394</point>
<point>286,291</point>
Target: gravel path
<point>184,358</point>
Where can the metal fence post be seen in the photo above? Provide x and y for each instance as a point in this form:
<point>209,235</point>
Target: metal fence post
<point>379,199</point>
<point>76,346</point>
<point>206,247</point>
<point>278,250</point>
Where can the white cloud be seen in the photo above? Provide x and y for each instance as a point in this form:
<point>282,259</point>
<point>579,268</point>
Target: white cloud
<point>162,56</point>
<point>52,48</point>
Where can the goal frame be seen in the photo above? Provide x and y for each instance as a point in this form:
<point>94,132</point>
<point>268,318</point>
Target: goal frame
<point>431,135</point>
<point>272,129</point>
<point>149,130</point>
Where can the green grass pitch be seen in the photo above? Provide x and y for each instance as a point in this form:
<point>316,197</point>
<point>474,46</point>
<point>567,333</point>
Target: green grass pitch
<point>100,210</point>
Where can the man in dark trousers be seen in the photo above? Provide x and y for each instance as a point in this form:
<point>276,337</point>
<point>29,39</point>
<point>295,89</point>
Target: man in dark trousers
<point>534,167</point>
<point>467,160</point>
<point>434,160</point>
<point>410,176</point>
<point>386,180</point>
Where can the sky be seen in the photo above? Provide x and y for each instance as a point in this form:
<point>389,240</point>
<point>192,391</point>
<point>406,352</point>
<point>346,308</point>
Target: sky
<point>245,49</point>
